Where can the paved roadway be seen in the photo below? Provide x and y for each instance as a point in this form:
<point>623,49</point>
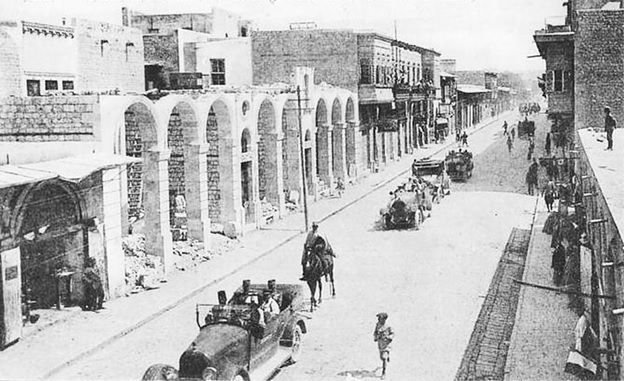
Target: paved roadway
<point>431,283</point>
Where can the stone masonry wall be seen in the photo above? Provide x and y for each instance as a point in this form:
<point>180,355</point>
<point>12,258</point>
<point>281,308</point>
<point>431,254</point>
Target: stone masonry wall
<point>599,67</point>
<point>45,119</point>
<point>109,57</point>
<point>162,50</point>
<point>10,70</point>
<point>333,55</point>
<point>214,192</point>
<point>175,140</point>
<point>134,148</point>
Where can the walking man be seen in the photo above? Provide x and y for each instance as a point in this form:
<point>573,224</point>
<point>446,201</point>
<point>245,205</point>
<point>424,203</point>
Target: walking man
<point>509,143</point>
<point>531,148</point>
<point>609,127</point>
<point>464,139</point>
<point>531,177</point>
<point>383,335</point>
<point>505,128</point>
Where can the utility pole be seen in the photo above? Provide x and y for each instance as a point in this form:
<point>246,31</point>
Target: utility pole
<point>301,158</point>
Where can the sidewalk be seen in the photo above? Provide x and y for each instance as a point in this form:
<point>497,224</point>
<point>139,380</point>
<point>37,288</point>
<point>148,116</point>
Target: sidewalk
<point>83,333</point>
<point>544,326</point>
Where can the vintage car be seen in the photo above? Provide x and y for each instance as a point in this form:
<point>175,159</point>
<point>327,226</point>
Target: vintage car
<point>459,165</point>
<point>233,344</point>
<point>434,172</point>
<point>402,210</point>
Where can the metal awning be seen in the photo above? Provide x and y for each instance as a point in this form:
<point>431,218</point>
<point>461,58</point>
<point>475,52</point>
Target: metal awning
<point>74,169</point>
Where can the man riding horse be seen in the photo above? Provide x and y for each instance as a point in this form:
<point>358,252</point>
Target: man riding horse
<point>317,246</point>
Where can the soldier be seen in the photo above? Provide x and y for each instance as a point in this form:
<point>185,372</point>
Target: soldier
<point>309,242</point>
<point>531,177</point>
<point>94,292</point>
<point>383,335</point>
<point>242,296</point>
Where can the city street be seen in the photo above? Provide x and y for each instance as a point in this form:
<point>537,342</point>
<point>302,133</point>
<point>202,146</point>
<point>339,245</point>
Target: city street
<point>431,282</point>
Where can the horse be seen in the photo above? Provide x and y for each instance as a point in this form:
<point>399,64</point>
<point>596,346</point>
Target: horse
<point>320,252</point>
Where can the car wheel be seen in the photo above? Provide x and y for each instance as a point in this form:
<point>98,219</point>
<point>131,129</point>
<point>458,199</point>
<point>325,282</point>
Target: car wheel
<point>388,221</point>
<point>296,348</point>
<point>239,377</point>
<point>160,372</point>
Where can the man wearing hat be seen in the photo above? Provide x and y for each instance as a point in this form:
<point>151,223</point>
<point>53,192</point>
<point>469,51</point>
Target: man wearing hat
<point>383,335</point>
<point>309,242</point>
<point>242,297</point>
<point>609,126</point>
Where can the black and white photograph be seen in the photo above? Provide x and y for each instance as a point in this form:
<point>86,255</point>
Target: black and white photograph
<point>311,190</point>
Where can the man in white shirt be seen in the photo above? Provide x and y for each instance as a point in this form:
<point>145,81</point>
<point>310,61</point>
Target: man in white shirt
<point>269,306</point>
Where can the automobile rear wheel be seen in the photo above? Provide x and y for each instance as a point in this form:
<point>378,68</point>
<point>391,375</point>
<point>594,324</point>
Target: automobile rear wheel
<point>296,348</point>
<point>239,377</point>
<point>160,372</point>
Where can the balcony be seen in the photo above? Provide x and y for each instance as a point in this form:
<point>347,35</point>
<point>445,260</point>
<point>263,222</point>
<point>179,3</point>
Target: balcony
<point>556,30</point>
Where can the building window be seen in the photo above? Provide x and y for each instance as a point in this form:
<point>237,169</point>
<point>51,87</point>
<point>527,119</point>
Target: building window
<point>556,80</point>
<point>33,87</point>
<point>365,74</point>
<point>51,85</point>
<point>217,72</point>
<point>68,85</point>
<point>378,75</point>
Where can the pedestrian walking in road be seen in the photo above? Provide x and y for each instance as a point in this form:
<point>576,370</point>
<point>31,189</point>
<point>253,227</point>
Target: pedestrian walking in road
<point>549,195</point>
<point>531,177</point>
<point>464,138</point>
<point>509,143</point>
<point>558,263</point>
<point>609,127</point>
<point>505,128</point>
<point>531,148</point>
<point>383,335</point>
<point>547,146</point>
<point>513,132</point>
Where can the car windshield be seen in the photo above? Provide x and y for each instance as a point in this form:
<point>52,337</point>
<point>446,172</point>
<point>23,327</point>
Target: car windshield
<point>223,314</point>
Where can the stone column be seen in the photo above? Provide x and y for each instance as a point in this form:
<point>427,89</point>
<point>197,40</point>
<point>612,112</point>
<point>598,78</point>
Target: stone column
<point>324,152</point>
<point>339,151</point>
<point>109,231</point>
<point>196,173</point>
<point>156,200</point>
<point>281,198</point>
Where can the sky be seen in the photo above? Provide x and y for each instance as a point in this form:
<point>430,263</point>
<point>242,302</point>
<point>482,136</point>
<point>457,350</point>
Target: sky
<point>479,34</point>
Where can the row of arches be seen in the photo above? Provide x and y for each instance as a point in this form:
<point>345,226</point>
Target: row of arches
<point>218,157</point>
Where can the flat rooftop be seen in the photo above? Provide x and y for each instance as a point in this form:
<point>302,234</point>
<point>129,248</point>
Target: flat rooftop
<point>608,166</point>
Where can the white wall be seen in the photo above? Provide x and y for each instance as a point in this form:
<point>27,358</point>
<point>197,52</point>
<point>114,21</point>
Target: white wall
<point>237,55</point>
<point>48,54</point>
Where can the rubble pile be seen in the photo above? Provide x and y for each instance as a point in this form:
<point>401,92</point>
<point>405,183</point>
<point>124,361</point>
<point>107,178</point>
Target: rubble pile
<point>190,253</point>
<point>143,271</point>
<point>268,210</point>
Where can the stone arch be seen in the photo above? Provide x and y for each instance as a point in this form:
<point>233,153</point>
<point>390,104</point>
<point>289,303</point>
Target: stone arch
<point>183,138</point>
<point>268,173</point>
<point>323,143</point>
<point>222,192</point>
<point>48,225</point>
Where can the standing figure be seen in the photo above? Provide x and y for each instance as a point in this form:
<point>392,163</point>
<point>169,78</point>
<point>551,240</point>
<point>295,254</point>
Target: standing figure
<point>513,132</point>
<point>505,128</point>
<point>94,292</point>
<point>547,146</point>
<point>464,139</point>
<point>549,195</point>
<point>383,335</point>
<point>558,263</point>
<point>531,149</point>
<point>531,177</point>
<point>609,127</point>
<point>509,143</point>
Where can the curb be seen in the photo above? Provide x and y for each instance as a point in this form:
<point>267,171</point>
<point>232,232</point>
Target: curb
<point>200,289</point>
<point>527,264</point>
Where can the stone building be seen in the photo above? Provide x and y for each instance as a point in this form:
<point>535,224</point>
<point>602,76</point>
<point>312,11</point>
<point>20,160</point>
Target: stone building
<point>96,57</point>
<point>170,40</point>
<point>395,100</point>
<point>583,75</point>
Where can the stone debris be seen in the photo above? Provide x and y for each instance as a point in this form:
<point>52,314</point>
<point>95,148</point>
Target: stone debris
<point>145,271</point>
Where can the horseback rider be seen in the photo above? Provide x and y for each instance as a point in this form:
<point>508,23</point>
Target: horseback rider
<point>309,248</point>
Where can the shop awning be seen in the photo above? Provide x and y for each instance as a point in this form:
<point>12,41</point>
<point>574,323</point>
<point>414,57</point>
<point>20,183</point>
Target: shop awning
<point>442,121</point>
<point>12,176</point>
<point>74,169</point>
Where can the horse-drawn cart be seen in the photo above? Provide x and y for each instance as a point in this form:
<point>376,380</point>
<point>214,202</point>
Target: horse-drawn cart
<point>526,129</point>
<point>459,165</point>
